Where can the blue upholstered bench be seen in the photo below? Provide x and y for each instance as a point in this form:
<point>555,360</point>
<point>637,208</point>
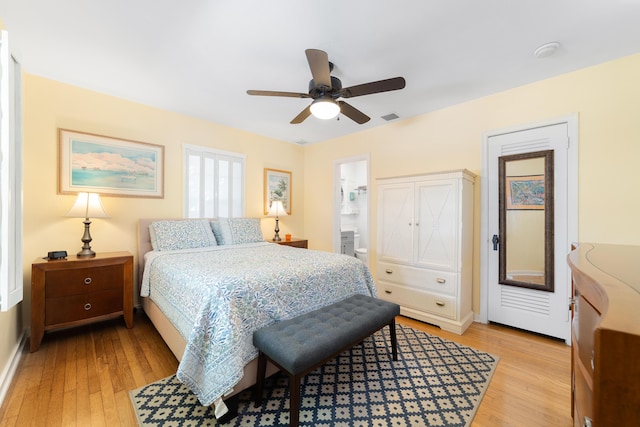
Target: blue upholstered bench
<point>300,345</point>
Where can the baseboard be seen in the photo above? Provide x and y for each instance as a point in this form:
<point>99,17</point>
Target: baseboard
<point>10,369</point>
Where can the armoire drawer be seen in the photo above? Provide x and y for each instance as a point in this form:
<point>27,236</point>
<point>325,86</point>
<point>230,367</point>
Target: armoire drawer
<point>418,278</point>
<point>440,305</point>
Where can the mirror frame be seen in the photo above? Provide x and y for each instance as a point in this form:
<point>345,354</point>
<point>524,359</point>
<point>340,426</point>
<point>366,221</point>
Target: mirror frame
<point>548,220</point>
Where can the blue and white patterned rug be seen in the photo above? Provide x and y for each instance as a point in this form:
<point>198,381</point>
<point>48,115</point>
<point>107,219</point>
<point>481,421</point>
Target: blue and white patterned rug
<point>435,382</point>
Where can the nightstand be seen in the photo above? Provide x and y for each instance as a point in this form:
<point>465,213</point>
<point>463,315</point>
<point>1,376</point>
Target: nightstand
<point>76,291</point>
<point>296,243</point>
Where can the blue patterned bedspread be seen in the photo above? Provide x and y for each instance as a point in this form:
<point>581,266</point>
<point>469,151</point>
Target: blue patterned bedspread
<point>217,297</point>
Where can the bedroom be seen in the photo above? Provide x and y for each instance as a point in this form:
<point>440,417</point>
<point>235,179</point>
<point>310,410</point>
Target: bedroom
<point>606,97</point>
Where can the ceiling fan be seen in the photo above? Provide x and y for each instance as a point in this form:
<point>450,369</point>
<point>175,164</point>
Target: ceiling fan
<point>325,90</point>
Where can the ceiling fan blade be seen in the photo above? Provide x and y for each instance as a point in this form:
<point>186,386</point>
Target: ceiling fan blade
<point>386,85</point>
<point>275,93</point>
<point>353,113</point>
<point>319,64</point>
<point>302,116</point>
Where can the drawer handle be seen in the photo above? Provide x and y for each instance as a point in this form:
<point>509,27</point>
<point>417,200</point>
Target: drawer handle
<point>388,271</point>
<point>387,292</point>
<point>87,280</point>
<point>87,306</point>
<point>441,280</point>
<point>440,303</point>
<point>593,363</point>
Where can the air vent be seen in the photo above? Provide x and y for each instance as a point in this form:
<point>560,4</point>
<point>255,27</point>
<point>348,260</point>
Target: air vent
<point>390,117</point>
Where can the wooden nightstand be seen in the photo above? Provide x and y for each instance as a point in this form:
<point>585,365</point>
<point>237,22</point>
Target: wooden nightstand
<point>76,291</point>
<point>296,243</point>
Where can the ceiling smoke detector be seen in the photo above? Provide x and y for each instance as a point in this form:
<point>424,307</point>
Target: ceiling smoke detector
<point>546,50</point>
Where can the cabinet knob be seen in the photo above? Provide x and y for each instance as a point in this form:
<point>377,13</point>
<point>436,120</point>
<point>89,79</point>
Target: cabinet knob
<point>440,303</point>
<point>87,306</point>
<point>388,271</point>
<point>87,280</point>
<point>441,280</point>
<point>387,292</point>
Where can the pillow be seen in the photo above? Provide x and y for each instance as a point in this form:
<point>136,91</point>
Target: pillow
<point>222,232</point>
<point>169,235</point>
<point>234,231</point>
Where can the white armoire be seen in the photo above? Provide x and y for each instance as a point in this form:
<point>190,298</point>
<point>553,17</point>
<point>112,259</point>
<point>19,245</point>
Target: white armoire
<point>425,246</point>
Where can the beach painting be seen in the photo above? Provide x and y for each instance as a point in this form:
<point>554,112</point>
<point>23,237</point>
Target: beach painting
<point>109,166</point>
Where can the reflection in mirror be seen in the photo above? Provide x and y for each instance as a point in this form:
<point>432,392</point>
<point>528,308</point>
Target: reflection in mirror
<point>526,220</point>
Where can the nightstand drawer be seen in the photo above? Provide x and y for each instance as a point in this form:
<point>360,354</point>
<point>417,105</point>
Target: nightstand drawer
<point>59,283</point>
<point>80,307</point>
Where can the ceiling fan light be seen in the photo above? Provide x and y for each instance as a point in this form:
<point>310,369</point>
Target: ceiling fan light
<point>325,109</point>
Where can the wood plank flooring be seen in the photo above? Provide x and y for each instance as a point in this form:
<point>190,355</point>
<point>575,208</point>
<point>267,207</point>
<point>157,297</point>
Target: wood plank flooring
<point>81,377</point>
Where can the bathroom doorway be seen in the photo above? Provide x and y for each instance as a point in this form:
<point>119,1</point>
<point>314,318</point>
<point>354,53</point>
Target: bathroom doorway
<point>351,207</point>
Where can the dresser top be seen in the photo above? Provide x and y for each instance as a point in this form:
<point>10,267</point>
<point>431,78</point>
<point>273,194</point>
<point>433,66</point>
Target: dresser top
<point>619,261</point>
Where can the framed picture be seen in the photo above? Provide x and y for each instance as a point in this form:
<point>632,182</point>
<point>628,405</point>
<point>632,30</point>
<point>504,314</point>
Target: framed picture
<point>525,192</point>
<point>277,186</point>
<point>109,166</point>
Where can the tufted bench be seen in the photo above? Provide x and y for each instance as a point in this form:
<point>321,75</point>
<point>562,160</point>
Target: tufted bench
<point>300,345</point>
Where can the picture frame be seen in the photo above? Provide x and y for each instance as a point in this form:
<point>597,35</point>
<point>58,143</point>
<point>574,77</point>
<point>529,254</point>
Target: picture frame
<point>109,166</point>
<point>525,192</point>
<point>277,186</point>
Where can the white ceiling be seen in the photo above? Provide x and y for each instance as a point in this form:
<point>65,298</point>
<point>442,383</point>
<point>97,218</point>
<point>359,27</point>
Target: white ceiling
<point>198,57</point>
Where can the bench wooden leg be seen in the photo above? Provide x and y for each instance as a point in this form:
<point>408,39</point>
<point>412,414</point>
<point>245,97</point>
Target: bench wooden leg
<point>394,343</point>
<point>262,371</point>
<point>294,400</point>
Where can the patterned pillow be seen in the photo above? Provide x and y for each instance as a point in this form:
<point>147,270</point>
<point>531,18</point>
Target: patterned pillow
<point>169,235</point>
<point>233,231</point>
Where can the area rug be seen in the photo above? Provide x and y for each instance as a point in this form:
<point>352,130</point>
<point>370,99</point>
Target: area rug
<point>434,382</point>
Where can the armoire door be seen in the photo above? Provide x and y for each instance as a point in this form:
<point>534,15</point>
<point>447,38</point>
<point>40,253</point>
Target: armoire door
<point>395,216</point>
<point>436,224</point>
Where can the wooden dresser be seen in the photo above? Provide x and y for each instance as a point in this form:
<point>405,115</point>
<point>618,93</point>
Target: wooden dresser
<point>606,335</point>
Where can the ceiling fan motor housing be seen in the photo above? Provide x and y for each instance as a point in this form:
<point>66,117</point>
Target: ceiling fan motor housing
<point>319,91</point>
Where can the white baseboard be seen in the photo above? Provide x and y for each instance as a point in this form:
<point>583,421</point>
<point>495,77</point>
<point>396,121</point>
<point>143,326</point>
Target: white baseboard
<point>10,368</point>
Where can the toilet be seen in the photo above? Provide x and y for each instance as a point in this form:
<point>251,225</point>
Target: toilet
<point>361,253</point>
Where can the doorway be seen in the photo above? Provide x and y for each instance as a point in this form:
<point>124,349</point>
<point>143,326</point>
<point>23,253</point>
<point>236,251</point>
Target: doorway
<point>351,207</point>
<point>528,286</point>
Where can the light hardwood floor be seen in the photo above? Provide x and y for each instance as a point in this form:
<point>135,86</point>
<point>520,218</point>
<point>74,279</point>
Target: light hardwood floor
<point>81,377</point>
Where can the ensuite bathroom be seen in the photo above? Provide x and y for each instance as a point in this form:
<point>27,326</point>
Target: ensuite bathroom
<point>354,209</point>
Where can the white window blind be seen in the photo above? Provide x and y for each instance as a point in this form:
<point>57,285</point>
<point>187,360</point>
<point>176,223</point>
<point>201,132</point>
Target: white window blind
<point>10,178</point>
<point>213,183</point>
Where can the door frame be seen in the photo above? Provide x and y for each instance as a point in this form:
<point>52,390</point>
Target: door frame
<point>337,163</point>
<point>572,200</point>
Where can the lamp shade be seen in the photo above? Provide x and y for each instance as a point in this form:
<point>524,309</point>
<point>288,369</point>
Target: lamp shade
<point>87,205</point>
<point>325,108</point>
<point>277,209</point>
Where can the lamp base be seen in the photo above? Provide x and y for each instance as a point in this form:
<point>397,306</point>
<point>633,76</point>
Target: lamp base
<point>86,251</point>
<point>277,238</point>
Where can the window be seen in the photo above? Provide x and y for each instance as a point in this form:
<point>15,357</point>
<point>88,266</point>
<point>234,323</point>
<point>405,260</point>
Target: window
<point>10,178</point>
<point>213,183</point>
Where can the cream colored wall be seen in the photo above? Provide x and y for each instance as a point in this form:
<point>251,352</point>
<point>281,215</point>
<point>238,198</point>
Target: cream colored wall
<point>607,98</point>
<point>50,105</point>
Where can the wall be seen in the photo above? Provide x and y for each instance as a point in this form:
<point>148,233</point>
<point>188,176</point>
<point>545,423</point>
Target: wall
<point>607,99</point>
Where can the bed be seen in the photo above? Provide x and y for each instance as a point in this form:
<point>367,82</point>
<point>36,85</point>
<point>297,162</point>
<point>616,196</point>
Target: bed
<point>207,285</point>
